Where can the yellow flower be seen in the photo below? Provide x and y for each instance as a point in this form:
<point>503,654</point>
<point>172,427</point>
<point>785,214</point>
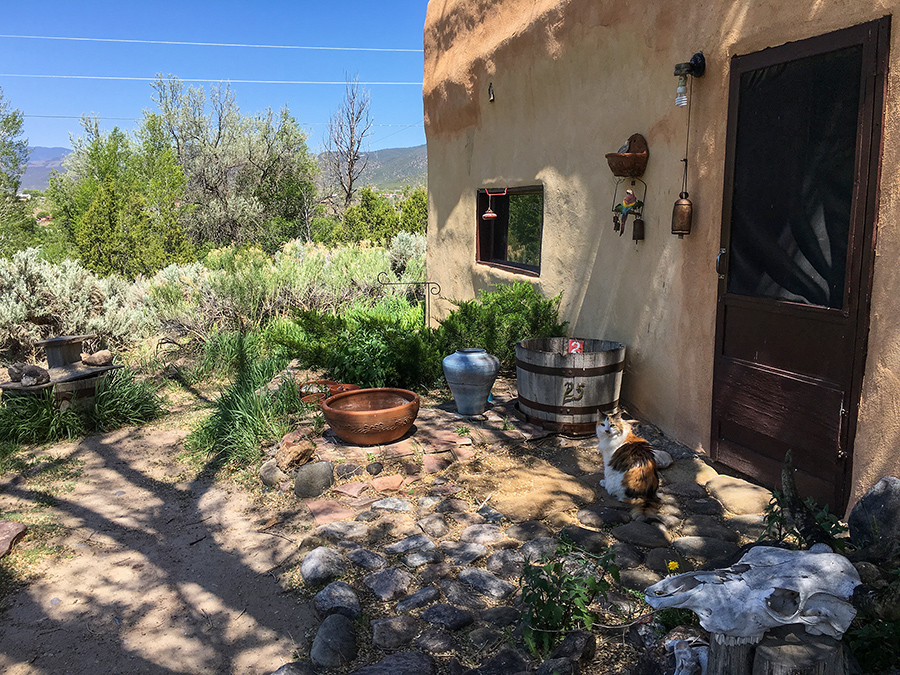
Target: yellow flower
<point>672,565</point>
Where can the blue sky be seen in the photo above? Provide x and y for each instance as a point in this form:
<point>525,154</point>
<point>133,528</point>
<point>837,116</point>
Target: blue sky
<point>52,106</point>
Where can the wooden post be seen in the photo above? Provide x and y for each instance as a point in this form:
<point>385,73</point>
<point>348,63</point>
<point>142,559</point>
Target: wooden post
<point>790,650</point>
<point>729,659</point>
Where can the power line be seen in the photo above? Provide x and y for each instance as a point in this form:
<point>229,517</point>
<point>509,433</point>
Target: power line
<point>197,79</point>
<point>212,44</point>
<point>138,119</point>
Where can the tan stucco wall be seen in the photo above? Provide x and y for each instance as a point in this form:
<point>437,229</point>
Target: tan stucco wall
<point>572,80</point>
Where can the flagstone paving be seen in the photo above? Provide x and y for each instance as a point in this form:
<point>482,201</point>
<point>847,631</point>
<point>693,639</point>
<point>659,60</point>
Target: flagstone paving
<point>464,502</point>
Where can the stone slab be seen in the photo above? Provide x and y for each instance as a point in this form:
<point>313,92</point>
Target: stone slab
<point>389,483</point>
<point>10,534</point>
<point>325,511</point>
<point>738,496</point>
<point>689,470</point>
<point>351,489</point>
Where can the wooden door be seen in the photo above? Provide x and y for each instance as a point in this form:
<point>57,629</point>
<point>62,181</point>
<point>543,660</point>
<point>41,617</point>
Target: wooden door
<point>798,227</point>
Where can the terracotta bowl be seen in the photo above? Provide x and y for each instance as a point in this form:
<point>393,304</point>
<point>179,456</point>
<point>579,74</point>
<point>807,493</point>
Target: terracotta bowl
<point>317,386</point>
<point>371,416</point>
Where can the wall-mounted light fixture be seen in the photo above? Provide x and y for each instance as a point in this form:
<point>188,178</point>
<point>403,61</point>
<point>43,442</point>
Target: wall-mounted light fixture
<point>682,213</point>
<point>491,92</point>
<point>696,67</point>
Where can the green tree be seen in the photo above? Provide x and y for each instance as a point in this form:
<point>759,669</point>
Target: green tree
<point>121,201</point>
<point>373,218</point>
<point>13,148</point>
<point>17,227</point>
<point>414,211</point>
<point>249,177</point>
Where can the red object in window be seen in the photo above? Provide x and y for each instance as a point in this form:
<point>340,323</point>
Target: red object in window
<point>576,346</point>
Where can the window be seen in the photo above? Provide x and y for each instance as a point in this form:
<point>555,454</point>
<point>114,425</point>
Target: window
<point>513,238</point>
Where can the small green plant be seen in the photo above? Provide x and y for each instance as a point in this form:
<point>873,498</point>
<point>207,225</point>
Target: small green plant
<point>778,528</point>
<point>557,594</point>
<point>463,431</point>
<point>507,425</point>
<point>677,616</point>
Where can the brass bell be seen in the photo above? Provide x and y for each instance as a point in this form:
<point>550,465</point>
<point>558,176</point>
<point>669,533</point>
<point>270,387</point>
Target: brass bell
<point>682,215</point>
<point>638,231</point>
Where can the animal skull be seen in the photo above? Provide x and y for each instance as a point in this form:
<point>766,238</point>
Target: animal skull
<point>767,587</point>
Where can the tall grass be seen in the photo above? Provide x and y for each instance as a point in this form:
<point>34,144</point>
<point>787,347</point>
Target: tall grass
<point>120,400</point>
<point>244,417</point>
<point>37,418</point>
<point>123,400</point>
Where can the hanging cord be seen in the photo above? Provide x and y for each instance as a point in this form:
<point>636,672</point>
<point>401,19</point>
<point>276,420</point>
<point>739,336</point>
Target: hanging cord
<point>687,136</point>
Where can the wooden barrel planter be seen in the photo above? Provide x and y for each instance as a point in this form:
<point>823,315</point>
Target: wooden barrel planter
<point>568,392</point>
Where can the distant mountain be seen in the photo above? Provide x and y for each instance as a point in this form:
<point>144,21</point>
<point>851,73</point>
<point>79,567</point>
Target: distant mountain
<point>391,169</point>
<point>40,162</point>
<point>395,168</point>
<point>388,170</point>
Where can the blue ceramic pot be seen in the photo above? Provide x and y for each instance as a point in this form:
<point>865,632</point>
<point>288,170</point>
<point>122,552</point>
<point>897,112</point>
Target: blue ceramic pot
<point>471,373</point>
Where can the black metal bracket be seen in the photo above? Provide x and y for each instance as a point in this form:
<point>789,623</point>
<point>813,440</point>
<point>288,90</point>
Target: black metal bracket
<point>431,288</point>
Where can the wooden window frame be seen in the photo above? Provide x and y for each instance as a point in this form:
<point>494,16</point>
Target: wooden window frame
<point>491,235</point>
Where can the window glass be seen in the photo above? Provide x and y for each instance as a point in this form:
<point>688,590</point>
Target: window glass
<point>511,235</point>
<point>526,213</point>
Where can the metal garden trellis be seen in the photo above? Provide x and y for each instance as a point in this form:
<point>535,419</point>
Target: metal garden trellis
<point>431,288</point>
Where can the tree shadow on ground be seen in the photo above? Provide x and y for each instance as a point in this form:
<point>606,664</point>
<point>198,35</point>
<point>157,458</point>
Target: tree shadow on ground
<point>165,578</point>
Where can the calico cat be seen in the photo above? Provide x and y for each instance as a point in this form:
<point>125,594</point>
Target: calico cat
<point>629,465</point>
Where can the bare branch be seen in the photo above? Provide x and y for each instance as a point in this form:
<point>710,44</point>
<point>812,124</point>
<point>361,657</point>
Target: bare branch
<point>347,130</point>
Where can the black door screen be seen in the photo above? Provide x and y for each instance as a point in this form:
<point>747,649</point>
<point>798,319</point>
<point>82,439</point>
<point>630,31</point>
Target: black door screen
<point>793,179</point>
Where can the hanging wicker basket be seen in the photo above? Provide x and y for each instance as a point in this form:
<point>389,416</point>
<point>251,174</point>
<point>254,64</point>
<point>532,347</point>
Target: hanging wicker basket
<point>633,163</point>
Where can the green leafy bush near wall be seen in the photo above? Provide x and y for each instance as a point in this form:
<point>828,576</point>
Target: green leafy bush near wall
<point>386,345</point>
<point>497,320</point>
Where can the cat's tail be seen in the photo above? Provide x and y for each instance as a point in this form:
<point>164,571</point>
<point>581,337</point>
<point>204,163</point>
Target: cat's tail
<point>645,508</point>
<point>641,485</point>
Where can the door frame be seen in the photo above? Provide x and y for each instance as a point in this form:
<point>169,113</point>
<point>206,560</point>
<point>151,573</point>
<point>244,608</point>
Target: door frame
<point>874,36</point>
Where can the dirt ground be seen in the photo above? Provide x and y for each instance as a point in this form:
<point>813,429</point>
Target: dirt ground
<point>158,574</point>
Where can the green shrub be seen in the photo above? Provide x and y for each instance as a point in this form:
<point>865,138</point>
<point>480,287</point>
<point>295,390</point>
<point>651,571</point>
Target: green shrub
<point>497,320</point>
<point>383,346</point>
<point>558,592</point>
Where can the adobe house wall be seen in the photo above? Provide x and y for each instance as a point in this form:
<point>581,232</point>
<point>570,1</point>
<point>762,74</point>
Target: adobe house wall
<point>572,80</point>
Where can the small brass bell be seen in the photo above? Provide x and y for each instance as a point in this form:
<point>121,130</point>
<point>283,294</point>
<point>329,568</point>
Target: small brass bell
<point>682,215</point>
